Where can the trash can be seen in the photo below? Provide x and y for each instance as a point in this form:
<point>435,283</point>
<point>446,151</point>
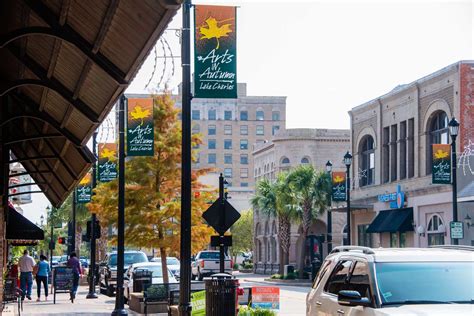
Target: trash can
<point>221,295</point>
<point>141,279</point>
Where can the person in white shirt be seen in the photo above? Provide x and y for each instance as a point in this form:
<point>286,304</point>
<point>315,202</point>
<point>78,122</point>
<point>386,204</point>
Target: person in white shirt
<point>26,265</point>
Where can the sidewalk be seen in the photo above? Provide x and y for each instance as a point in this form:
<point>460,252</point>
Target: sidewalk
<point>265,279</point>
<point>102,306</point>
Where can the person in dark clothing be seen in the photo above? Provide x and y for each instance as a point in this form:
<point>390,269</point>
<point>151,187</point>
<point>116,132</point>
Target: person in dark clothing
<point>75,265</point>
<point>42,277</point>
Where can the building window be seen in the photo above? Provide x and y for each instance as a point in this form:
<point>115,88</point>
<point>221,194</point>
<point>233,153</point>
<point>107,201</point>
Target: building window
<point>196,114</point>
<point>244,184</point>
<point>285,161</point>
<point>211,158</point>
<point>275,129</point>
<point>244,144</point>
<point>393,152</point>
<point>228,172</point>
<point>276,115</point>
<point>403,150</point>
<point>227,143</point>
<point>196,129</point>
<point>260,116</point>
<point>438,134</point>
<point>244,130</point>
<point>260,130</point>
<point>411,148</point>
<point>211,144</point>
<point>394,240</point>
<point>367,161</point>
<point>435,231</point>
<point>211,115</point>
<point>244,173</point>
<point>228,158</point>
<point>227,129</point>
<point>305,160</point>
<point>244,115</point>
<point>364,238</point>
<point>403,239</point>
<point>227,115</point>
<point>244,159</point>
<point>386,155</point>
<point>211,130</point>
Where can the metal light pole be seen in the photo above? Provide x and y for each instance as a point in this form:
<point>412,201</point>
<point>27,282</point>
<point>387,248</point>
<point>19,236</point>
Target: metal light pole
<point>329,215</point>
<point>185,245</point>
<point>347,162</point>
<point>73,225</point>
<point>51,240</point>
<point>453,130</point>
<point>119,303</point>
<point>92,293</point>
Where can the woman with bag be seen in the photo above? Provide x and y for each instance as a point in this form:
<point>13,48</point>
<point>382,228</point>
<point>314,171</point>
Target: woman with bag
<point>42,268</point>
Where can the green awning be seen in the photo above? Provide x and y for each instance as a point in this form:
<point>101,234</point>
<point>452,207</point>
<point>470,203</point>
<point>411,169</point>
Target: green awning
<point>391,221</point>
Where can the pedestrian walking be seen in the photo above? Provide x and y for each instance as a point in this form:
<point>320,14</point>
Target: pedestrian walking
<point>75,264</point>
<point>42,277</point>
<point>26,264</point>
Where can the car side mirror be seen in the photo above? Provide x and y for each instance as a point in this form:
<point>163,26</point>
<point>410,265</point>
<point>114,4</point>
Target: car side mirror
<point>352,298</point>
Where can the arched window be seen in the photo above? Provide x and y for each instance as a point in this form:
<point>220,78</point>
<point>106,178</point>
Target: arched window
<point>435,231</point>
<point>305,160</point>
<point>437,133</point>
<point>285,161</point>
<point>367,161</point>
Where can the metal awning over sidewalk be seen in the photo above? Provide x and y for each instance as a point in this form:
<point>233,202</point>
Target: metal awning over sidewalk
<point>391,221</point>
<point>20,228</point>
<point>63,66</point>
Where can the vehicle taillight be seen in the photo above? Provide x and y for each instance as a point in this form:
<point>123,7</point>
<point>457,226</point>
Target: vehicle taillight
<point>202,264</point>
<point>240,291</point>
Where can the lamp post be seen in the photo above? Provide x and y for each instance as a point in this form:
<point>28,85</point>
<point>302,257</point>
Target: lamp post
<point>347,162</point>
<point>329,215</point>
<point>453,130</point>
<point>51,240</point>
<point>41,220</point>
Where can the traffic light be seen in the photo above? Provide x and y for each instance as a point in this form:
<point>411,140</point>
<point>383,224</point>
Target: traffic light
<point>96,228</point>
<point>62,240</point>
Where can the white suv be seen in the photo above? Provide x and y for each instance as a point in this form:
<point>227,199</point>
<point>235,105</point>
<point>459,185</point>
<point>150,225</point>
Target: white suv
<point>394,281</point>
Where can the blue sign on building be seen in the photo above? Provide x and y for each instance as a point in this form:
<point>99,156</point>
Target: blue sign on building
<point>396,199</point>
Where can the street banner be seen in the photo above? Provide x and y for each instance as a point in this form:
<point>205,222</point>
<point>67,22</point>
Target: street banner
<point>84,189</point>
<point>215,63</point>
<point>441,164</point>
<point>198,303</point>
<point>140,127</point>
<point>266,297</point>
<point>338,186</point>
<point>107,166</point>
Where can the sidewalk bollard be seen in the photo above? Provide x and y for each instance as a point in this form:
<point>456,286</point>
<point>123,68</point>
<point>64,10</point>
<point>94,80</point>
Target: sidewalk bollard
<point>221,295</point>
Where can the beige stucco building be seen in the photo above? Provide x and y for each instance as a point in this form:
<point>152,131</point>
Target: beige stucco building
<point>287,149</point>
<point>391,144</point>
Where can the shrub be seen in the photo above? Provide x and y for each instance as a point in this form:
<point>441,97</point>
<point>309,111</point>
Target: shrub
<point>277,276</point>
<point>236,266</point>
<point>291,276</point>
<point>248,266</point>
<point>249,311</point>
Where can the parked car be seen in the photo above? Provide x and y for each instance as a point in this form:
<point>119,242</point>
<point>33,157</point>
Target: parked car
<point>55,261</point>
<point>157,276</point>
<point>108,269</point>
<point>207,263</point>
<point>84,261</point>
<point>172,263</point>
<point>394,281</point>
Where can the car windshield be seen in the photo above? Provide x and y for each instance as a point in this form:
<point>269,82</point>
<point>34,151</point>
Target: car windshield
<point>130,258</point>
<point>155,269</point>
<point>209,255</point>
<point>169,261</point>
<point>425,282</point>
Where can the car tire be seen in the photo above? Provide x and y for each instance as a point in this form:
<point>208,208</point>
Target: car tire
<point>200,276</point>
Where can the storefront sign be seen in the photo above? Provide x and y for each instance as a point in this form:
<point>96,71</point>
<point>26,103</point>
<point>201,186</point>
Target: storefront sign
<point>198,303</point>
<point>457,230</point>
<point>396,199</point>
<point>84,189</point>
<point>140,127</point>
<point>338,186</point>
<point>215,67</point>
<point>107,166</point>
<point>266,297</point>
<point>441,163</point>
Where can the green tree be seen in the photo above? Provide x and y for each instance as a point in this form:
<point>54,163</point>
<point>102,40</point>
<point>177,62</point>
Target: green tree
<point>310,188</point>
<point>242,234</point>
<point>153,190</point>
<point>275,199</point>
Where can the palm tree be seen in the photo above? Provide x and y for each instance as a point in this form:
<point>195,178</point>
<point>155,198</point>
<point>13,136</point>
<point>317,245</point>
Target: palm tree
<point>274,199</point>
<point>310,188</point>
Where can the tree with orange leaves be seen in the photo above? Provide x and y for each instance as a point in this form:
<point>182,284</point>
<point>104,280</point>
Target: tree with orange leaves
<point>153,191</point>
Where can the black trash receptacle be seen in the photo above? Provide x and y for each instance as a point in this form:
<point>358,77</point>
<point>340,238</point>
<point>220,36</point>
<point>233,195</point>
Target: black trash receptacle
<point>221,295</point>
<point>141,279</point>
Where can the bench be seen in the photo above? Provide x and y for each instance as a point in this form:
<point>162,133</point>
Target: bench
<point>12,294</point>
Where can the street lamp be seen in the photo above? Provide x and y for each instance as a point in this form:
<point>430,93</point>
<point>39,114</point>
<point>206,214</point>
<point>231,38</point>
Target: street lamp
<point>41,220</point>
<point>347,162</point>
<point>453,130</point>
<point>49,212</point>
<point>329,215</point>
